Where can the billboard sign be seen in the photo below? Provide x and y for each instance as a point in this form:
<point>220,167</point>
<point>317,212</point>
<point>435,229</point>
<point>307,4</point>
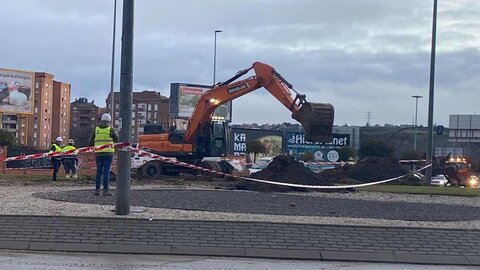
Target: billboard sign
<point>184,97</point>
<point>271,139</point>
<point>296,145</point>
<point>16,91</point>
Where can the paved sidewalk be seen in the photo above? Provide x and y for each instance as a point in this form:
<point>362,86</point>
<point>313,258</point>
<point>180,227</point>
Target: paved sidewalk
<point>242,239</point>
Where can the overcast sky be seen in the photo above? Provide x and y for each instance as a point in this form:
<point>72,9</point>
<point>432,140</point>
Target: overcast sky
<point>360,55</point>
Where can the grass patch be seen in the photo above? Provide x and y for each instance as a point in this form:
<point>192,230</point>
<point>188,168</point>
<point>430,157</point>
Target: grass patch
<point>430,190</point>
<point>6,177</point>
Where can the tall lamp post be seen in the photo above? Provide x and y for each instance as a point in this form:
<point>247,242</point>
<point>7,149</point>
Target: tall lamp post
<point>431,87</point>
<point>416,112</point>
<point>215,54</point>
<point>112,76</point>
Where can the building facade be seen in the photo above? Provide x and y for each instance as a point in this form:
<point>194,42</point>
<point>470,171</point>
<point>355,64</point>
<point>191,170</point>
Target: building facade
<point>40,123</point>
<point>50,117</point>
<point>147,107</point>
<point>84,115</point>
<point>61,110</point>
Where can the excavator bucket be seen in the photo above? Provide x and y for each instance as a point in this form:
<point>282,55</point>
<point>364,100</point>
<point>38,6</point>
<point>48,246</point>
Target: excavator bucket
<point>317,121</point>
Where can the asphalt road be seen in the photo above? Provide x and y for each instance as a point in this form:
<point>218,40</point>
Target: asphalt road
<point>82,261</point>
<point>277,204</point>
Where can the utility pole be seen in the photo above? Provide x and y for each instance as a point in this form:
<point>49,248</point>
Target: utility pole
<point>369,116</point>
<point>122,206</point>
<point>431,94</point>
<point>416,112</point>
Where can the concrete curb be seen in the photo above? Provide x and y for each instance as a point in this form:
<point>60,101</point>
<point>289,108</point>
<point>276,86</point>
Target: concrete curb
<point>299,254</point>
<point>240,239</point>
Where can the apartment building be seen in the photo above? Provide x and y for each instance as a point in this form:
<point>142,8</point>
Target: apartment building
<point>61,110</point>
<point>40,122</point>
<point>49,118</point>
<point>147,107</point>
<point>83,114</point>
<point>51,112</point>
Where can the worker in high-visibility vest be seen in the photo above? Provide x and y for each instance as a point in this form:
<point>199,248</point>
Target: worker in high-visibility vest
<point>56,160</point>
<point>69,161</point>
<point>103,134</point>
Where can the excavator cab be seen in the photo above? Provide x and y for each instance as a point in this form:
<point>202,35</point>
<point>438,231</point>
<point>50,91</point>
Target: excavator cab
<point>212,140</point>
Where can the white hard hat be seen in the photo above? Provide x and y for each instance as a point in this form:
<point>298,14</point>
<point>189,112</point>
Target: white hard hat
<point>106,117</point>
<point>59,139</point>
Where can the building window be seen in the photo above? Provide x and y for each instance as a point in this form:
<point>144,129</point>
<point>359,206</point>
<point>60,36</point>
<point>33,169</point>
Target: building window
<point>149,107</point>
<point>46,85</point>
<point>34,135</point>
<point>117,106</point>
<point>156,107</point>
<point>36,110</point>
<point>63,129</point>
<point>35,126</point>
<point>75,108</point>
<point>74,125</point>
<point>36,85</point>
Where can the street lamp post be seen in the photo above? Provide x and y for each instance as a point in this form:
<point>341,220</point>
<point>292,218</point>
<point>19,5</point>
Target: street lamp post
<point>112,76</point>
<point>428,173</point>
<point>416,112</point>
<point>215,54</point>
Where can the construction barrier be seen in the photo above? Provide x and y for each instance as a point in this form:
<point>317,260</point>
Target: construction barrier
<point>125,146</point>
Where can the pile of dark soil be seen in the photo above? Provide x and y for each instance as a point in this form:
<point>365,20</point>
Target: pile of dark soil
<point>284,169</point>
<point>367,170</point>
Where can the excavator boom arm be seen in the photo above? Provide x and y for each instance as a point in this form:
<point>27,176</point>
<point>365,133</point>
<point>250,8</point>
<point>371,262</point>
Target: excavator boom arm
<point>308,114</point>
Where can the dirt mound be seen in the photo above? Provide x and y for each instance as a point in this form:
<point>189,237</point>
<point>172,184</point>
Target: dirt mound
<point>284,169</point>
<point>367,170</point>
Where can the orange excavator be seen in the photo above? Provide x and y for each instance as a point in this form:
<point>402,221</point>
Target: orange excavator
<point>205,137</point>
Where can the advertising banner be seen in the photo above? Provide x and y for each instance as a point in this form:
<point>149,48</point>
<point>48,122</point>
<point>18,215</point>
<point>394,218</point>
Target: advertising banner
<point>16,91</point>
<point>184,97</point>
<point>296,145</point>
<point>271,139</point>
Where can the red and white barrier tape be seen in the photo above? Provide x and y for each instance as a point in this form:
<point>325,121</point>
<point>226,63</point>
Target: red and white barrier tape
<point>69,152</point>
<point>175,162</point>
<point>142,153</point>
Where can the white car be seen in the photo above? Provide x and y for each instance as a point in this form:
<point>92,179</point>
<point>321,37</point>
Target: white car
<point>439,180</point>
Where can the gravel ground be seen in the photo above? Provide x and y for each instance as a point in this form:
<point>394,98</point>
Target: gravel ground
<point>25,199</point>
<point>277,204</point>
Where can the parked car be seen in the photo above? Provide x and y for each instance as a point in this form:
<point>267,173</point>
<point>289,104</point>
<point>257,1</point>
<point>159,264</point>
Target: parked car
<point>439,180</point>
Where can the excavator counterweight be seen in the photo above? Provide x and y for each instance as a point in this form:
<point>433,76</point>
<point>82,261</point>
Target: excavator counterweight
<point>317,121</point>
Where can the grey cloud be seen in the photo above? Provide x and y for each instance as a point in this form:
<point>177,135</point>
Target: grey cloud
<point>368,55</point>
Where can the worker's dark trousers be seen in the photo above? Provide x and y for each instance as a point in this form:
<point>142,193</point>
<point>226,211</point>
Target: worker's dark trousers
<point>56,166</point>
<point>69,166</point>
